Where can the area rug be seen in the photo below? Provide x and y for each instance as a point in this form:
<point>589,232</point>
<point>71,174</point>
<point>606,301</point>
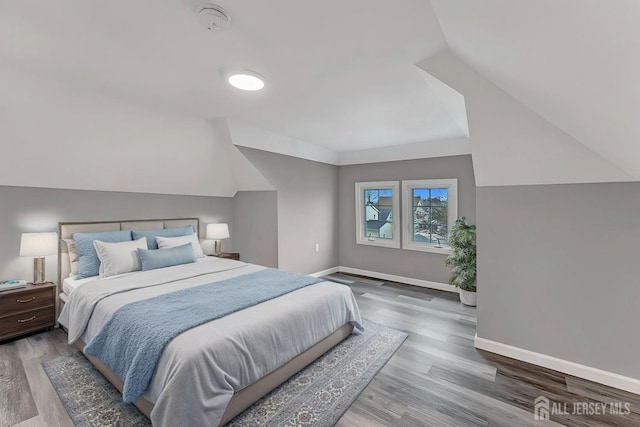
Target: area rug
<point>316,396</point>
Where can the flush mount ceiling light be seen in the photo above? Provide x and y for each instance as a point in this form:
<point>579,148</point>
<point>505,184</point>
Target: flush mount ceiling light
<point>246,80</point>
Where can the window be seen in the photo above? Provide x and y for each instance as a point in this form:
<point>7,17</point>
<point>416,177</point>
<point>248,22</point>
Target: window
<point>377,213</point>
<point>430,207</point>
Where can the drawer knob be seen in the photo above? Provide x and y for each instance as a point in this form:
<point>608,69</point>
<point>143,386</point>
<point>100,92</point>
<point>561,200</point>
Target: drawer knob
<point>27,320</point>
<point>22,301</point>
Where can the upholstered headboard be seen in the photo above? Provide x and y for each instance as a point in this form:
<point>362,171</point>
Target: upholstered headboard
<point>66,230</point>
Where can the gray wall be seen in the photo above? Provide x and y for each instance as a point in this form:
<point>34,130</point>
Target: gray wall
<point>307,195</point>
<point>413,264</point>
<point>255,227</point>
<point>26,209</point>
<point>558,271</point>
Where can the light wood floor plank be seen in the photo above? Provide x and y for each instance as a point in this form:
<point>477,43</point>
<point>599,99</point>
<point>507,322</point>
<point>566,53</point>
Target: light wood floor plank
<point>47,402</point>
<point>16,399</point>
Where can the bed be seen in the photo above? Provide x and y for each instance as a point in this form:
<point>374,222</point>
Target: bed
<point>209,373</point>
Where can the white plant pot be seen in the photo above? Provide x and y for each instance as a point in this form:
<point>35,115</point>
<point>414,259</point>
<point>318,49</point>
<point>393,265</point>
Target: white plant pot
<point>468,298</point>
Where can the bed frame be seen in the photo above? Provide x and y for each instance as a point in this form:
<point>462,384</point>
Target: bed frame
<point>241,399</point>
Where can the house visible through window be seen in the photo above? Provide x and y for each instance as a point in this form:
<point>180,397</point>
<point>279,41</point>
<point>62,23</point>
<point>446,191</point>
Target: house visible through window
<point>430,208</point>
<point>379,213</point>
<point>377,207</point>
<point>430,215</point>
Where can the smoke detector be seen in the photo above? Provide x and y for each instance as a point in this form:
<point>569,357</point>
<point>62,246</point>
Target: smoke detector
<point>213,17</point>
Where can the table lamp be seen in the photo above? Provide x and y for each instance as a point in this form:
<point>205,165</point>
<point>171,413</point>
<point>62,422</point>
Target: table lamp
<point>38,245</point>
<point>217,232</point>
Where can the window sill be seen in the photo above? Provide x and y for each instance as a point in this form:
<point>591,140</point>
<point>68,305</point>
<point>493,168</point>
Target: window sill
<point>383,244</point>
<point>432,249</point>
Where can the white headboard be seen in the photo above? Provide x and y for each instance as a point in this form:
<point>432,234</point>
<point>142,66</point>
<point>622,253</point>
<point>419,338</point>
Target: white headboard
<point>66,230</point>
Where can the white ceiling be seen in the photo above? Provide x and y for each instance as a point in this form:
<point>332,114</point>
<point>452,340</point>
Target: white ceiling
<point>341,82</point>
<point>574,62</point>
<point>338,74</point>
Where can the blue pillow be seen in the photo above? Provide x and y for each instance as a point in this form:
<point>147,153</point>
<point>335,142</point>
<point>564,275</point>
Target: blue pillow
<point>87,257</point>
<point>162,232</point>
<point>160,258</point>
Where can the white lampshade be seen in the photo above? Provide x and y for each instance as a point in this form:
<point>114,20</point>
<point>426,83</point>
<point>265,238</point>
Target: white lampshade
<point>38,244</point>
<point>217,231</point>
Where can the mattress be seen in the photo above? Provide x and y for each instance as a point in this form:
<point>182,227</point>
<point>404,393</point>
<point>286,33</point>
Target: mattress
<point>208,363</point>
<point>70,284</point>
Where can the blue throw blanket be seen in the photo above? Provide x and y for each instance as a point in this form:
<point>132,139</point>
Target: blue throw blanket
<point>131,342</point>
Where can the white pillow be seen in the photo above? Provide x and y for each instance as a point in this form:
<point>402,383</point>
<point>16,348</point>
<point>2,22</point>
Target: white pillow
<point>118,258</point>
<point>171,242</point>
<point>74,262</point>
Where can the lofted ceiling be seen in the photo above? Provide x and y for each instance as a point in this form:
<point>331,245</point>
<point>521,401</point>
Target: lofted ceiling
<point>574,62</point>
<point>338,74</point>
<point>342,85</point>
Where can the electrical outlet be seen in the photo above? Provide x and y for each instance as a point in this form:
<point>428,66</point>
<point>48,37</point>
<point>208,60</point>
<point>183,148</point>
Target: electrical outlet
<point>317,247</point>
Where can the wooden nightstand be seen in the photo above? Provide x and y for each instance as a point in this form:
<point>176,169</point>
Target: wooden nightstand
<point>27,310</point>
<point>229,255</point>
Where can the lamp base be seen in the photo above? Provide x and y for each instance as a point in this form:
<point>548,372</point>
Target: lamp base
<point>217,248</point>
<point>38,271</point>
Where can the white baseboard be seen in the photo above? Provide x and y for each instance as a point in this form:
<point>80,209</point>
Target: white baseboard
<point>610,379</point>
<point>325,272</point>
<point>401,279</point>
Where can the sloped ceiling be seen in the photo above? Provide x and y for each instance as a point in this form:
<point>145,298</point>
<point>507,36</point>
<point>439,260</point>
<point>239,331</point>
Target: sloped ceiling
<point>58,135</point>
<point>575,63</point>
<point>85,79</point>
<point>512,145</point>
<point>340,75</point>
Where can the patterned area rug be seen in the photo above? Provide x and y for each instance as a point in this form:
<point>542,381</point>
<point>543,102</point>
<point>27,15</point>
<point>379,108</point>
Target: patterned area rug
<point>316,396</point>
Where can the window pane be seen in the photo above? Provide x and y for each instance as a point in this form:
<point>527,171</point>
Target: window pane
<point>421,213</point>
<point>439,215</point>
<point>427,206</point>
<point>370,196</point>
<point>439,233</point>
<point>420,196</point>
<point>428,235</point>
<point>439,196</point>
<point>385,213</point>
<point>378,215</point>
<point>385,200</point>
<point>430,215</point>
<point>386,230</point>
<point>378,210</point>
<point>420,224</point>
<point>421,221</point>
<point>421,232</point>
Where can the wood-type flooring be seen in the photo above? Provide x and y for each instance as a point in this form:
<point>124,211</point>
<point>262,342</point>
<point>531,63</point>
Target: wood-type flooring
<point>437,377</point>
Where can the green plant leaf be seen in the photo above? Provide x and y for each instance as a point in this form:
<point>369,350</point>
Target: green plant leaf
<point>463,259</point>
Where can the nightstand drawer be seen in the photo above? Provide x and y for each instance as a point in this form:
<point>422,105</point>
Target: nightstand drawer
<point>30,299</point>
<point>27,321</point>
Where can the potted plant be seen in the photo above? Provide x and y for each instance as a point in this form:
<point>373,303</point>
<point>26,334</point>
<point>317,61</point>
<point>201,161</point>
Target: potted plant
<point>463,260</point>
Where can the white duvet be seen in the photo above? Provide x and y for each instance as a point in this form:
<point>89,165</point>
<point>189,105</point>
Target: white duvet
<point>200,369</point>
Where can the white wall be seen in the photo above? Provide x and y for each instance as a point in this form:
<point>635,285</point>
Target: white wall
<point>60,135</point>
